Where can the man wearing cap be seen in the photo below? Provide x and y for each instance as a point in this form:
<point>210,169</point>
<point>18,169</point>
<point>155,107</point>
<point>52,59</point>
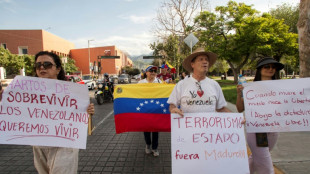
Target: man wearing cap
<point>164,75</point>
<point>197,93</point>
<point>151,138</point>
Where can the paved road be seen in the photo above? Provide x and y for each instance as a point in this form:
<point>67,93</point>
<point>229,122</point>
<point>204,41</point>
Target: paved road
<point>292,153</point>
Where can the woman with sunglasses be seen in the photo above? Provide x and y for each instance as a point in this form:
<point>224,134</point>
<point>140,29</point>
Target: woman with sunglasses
<point>261,143</point>
<point>151,138</point>
<point>54,159</point>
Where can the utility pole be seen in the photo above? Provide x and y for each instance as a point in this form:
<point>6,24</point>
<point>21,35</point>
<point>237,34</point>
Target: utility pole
<point>89,66</point>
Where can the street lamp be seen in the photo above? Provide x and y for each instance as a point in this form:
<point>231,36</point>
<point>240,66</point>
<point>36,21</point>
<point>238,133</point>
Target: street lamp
<point>89,56</point>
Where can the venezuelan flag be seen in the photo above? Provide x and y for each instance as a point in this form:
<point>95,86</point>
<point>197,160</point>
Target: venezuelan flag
<point>171,67</point>
<point>142,107</point>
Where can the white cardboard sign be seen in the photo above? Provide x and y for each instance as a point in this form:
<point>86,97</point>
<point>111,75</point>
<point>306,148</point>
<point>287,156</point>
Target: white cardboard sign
<point>210,143</point>
<point>44,112</point>
<point>277,105</point>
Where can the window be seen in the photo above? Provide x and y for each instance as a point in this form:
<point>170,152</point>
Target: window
<point>3,45</point>
<point>22,50</point>
<point>107,52</point>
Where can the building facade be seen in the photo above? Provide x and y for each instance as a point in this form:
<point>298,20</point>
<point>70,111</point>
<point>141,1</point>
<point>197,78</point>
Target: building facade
<point>99,65</point>
<point>32,41</point>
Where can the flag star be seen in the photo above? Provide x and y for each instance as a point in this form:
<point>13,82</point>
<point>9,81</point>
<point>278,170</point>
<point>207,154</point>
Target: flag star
<point>161,105</point>
<point>146,102</point>
<point>157,102</point>
<point>152,101</point>
<point>141,104</point>
<point>138,109</point>
<point>164,110</point>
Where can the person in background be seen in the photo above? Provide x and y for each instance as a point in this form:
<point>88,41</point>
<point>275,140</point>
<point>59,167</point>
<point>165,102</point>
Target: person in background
<point>197,87</point>
<point>164,75</point>
<point>261,143</point>
<point>151,138</point>
<point>54,160</point>
<point>110,84</point>
<point>183,75</point>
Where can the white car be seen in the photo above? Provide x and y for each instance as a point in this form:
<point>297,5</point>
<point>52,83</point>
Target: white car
<point>89,81</point>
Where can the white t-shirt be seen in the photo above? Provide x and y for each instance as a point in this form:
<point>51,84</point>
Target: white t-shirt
<point>193,96</point>
<point>156,80</point>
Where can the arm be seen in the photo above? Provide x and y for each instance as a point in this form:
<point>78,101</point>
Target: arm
<point>239,102</point>
<point>223,109</point>
<point>1,91</point>
<point>91,109</point>
<point>174,109</point>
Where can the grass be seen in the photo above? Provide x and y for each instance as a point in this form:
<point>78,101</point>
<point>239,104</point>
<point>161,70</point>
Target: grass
<point>229,90</point>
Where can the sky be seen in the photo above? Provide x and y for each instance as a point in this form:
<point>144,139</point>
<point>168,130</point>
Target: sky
<point>127,24</point>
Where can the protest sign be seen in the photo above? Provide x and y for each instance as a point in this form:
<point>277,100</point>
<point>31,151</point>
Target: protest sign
<point>45,112</point>
<point>277,105</point>
<point>208,143</point>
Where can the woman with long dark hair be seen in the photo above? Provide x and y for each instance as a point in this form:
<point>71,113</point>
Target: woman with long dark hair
<point>54,159</point>
<point>261,143</point>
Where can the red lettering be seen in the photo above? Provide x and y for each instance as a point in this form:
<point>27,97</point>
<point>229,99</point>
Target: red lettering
<point>187,122</point>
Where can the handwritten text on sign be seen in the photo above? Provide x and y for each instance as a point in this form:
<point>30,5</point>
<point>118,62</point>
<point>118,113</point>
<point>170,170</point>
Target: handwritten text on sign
<point>277,105</point>
<point>208,143</point>
<point>40,111</point>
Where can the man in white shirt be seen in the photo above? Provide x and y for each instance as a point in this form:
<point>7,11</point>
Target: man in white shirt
<point>197,93</point>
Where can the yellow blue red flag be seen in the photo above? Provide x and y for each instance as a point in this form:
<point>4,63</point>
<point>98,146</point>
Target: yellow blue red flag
<point>142,107</point>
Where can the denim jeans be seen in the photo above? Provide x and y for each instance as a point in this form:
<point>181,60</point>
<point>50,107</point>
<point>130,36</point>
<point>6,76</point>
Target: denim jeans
<point>154,141</point>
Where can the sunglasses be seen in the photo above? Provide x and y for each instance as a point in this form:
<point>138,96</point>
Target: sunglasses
<point>269,66</point>
<point>46,65</point>
<point>152,70</point>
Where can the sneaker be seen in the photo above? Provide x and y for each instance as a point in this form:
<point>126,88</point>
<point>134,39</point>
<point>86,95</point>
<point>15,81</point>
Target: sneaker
<point>155,152</point>
<point>148,149</point>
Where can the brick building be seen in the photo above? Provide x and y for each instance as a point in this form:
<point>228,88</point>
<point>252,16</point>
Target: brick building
<point>110,66</point>
<point>32,41</point>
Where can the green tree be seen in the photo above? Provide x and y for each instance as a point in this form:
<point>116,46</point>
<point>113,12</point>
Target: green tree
<point>70,66</point>
<point>29,65</point>
<point>131,71</point>
<point>239,35</point>
<point>11,62</point>
<point>289,14</point>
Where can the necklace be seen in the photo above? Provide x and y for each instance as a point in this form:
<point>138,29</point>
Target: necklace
<point>199,91</point>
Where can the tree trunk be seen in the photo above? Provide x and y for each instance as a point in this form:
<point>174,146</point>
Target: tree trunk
<point>235,71</point>
<point>304,38</point>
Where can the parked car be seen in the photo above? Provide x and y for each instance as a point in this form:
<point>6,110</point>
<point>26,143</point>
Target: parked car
<point>124,78</point>
<point>136,77</point>
<point>75,79</point>
<point>89,81</point>
<point>114,78</point>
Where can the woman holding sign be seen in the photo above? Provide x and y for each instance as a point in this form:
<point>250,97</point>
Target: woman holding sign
<point>150,73</point>
<point>261,143</point>
<point>54,159</point>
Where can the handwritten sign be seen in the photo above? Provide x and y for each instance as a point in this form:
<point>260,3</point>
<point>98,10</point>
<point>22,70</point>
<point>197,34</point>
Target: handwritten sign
<point>277,105</point>
<point>45,112</point>
<point>208,143</point>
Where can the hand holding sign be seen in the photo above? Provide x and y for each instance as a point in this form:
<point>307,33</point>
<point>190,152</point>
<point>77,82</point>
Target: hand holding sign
<point>277,105</point>
<point>208,143</point>
<point>40,111</point>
